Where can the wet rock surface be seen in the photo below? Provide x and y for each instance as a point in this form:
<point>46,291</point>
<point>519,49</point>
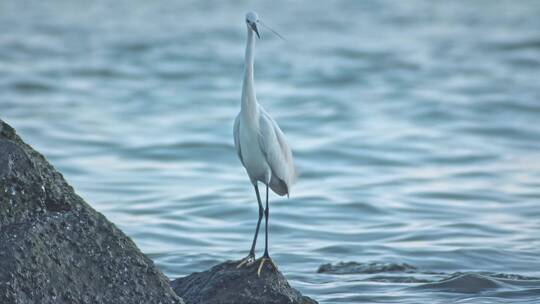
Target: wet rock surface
<point>366,268</point>
<point>54,248</point>
<point>225,283</point>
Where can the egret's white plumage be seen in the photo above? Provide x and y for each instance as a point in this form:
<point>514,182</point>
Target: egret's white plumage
<point>268,158</point>
<point>259,142</point>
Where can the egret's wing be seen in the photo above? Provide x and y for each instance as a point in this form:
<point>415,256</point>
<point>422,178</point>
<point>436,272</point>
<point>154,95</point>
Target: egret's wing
<point>278,154</point>
<point>236,134</point>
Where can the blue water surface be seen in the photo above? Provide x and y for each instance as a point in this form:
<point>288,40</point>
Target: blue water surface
<point>415,127</point>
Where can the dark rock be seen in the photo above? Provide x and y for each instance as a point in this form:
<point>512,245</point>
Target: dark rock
<point>363,268</point>
<point>225,284</point>
<point>54,248</point>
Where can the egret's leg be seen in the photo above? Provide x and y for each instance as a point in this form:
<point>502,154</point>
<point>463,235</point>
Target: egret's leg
<point>266,256</point>
<point>252,251</point>
<point>251,256</point>
<point>266,214</point>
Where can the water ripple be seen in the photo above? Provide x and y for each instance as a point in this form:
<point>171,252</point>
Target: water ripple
<point>414,127</point>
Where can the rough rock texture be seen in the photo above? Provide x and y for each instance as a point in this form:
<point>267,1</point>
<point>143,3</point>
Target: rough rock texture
<point>54,248</point>
<point>364,268</point>
<point>225,284</point>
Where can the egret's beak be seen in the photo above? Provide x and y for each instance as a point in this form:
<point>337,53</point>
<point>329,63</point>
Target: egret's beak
<point>254,28</point>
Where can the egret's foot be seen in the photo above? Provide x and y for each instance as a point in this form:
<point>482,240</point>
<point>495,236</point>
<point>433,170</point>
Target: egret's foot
<point>265,259</point>
<point>246,261</point>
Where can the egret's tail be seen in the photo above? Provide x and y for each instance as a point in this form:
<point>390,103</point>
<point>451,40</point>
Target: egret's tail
<point>278,186</point>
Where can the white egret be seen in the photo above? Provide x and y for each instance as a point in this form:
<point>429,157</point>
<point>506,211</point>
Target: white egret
<point>260,144</point>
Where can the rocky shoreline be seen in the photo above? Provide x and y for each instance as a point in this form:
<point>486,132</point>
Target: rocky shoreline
<point>55,248</point>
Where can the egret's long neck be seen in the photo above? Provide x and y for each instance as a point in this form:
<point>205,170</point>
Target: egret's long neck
<point>249,103</point>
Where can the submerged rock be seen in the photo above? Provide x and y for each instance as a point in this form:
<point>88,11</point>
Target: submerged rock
<point>54,248</point>
<point>464,283</point>
<point>224,284</point>
<point>364,268</point>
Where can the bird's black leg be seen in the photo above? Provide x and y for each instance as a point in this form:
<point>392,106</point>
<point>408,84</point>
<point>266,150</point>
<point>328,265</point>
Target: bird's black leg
<point>266,214</point>
<point>266,256</point>
<point>252,251</point>
<point>251,256</point>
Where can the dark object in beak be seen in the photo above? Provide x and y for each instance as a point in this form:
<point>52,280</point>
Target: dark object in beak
<point>254,28</point>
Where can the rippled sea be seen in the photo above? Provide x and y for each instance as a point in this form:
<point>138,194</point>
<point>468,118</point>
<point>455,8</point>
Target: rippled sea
<point>415,126</point>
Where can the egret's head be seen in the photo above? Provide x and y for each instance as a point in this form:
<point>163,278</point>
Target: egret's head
<point>252,19</point>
